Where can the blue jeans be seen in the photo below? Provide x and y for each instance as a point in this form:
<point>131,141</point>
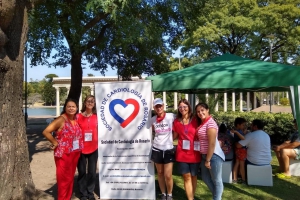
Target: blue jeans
<point>213,177</point>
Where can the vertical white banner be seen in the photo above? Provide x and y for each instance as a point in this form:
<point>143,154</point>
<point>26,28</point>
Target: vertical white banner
<point>124,133</point>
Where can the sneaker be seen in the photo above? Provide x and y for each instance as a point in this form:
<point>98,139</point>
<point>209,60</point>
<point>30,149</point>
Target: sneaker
<point>282,176</point>
<point>169,197</point>
<point>243,182</point>
<point>234,182</point>
<point>163,197</point>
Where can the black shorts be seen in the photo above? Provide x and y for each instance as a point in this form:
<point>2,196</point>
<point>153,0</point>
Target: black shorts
<point>192,168</point>
<point>162,157</point>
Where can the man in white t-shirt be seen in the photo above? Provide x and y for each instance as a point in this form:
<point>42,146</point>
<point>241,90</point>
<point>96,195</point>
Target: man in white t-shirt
<point>258,145</point>
<point>288,150</point>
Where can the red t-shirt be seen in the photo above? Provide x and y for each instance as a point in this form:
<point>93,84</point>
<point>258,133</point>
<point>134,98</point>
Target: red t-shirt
<point>186,132</point>
<point>89,127</point>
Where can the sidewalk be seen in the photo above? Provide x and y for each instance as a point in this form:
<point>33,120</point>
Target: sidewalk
<point>42,161</point>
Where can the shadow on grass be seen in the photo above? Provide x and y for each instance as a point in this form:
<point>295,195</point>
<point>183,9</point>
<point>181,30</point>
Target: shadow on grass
<point>281,189</point>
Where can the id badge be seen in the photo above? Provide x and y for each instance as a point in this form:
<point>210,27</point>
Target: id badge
<point>88,136</point>
<point>75,144</point>
<point>186,144</point>
<point>196,146</point>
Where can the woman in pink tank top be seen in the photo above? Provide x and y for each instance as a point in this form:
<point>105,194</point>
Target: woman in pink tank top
<point>67,145</point>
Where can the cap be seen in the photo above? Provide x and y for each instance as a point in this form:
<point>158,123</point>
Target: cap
<point>158,101</point>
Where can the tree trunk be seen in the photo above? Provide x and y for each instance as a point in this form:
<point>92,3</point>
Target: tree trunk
<point>76,80</point>
<point>15,175</point>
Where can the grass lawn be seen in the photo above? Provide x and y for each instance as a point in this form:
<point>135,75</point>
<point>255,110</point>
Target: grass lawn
<point>288,189</point>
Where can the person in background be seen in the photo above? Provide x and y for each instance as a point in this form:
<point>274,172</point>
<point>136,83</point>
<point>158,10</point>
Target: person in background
<point>288,150</point>
<point>87,164</point>
<point>258,145</point>
<point>240,153</point>
<point>187,153</point>
<point>67,146</point>
<point>226,142</point>
<point>212,154</point>
<point>163,154</point>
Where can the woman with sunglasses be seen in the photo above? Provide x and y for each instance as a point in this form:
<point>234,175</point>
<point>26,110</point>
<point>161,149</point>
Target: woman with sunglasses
<point>187,153</point>
<point>162,150</point>
<point>87,163</point>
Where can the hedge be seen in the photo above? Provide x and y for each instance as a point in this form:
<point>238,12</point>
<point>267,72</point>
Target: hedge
<point>278,125</point>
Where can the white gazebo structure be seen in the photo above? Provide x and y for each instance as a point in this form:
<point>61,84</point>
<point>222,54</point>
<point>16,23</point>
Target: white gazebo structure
<point>65,82</point>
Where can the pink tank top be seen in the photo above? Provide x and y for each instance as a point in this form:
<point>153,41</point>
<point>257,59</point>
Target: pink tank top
<point>67,136</point>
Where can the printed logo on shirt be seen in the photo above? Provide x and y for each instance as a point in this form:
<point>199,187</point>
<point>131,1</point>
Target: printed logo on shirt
<point>160,125</point>
<point>162,128</point>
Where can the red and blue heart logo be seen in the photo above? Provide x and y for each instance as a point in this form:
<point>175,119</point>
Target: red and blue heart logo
<point>124,122</point>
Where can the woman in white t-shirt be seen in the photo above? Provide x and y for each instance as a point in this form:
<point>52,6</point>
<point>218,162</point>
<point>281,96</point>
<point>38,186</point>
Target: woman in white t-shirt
<point>212,154</point>
<point>163,154</point>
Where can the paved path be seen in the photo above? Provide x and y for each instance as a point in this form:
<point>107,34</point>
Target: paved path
<point>42,162</point>
<point>275,109</point>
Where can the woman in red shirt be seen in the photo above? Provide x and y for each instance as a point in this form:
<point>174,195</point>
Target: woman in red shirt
<point>187,153</point>
<point>88,123</point>
<point>67,146</point>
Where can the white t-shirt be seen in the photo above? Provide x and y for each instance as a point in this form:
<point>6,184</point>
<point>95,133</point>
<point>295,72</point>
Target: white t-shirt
<point>163,139</point>
<point>258,145</point>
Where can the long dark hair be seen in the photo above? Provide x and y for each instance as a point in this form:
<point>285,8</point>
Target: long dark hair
<point>94,111</point>
<point>204,105</point>
<point>179,115</point>
<point>66,102</point>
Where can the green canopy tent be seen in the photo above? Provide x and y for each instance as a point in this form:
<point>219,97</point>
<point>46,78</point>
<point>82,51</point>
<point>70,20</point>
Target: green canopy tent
<point>230,73</point>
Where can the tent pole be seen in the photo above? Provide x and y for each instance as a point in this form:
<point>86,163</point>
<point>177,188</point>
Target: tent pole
<point>296,105</point>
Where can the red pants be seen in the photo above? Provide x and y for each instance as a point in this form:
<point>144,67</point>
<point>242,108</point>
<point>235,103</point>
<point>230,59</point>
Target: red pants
<point>65,171</point>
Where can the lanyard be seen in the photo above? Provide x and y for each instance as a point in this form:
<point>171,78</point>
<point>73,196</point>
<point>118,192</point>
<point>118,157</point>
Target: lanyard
<point>88,121</point>
<point>184,126</point>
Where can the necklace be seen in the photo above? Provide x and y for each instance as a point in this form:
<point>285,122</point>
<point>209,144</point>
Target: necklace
<point>87,114</point>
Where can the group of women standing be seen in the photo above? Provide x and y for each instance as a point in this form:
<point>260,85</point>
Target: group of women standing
<point>197,146</point>
<point>75,144</point>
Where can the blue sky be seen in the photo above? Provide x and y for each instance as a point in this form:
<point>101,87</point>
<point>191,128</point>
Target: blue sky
<point>39,72</point>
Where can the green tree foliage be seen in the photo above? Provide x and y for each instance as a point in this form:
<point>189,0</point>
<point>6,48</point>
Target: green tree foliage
<point>245,28</point>
<point>85,92</point>
<point>284,101</point>
<point>35,84</point>
<point>48,91</point>
<point>130,36</point>
<point>278,125</point>
<point>176,64</point>
<point>30,89</point>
